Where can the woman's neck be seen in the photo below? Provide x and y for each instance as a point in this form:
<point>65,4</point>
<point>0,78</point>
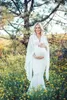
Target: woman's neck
<point>38,36</point>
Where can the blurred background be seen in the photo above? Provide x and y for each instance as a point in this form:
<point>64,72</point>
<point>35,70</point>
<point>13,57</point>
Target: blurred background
<point>17,20</point>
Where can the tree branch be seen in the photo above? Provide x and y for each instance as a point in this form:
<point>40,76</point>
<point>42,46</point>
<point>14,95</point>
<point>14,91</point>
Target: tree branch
<point>61,17</point>
<point>62,10</point>
<point>40,20</point>
<point>49,20</point>
<point>13,25</point>
<point>21,16</point>
<point>31,7</point>
<point>14,12</point>
<point>6,31</point>
<point>38,5</point>
<point>26,5</point>
<point>4,37</point>
<point>62,1</point>
<point>16,6</point>
<point>28,1</point>
<point>59,21</point>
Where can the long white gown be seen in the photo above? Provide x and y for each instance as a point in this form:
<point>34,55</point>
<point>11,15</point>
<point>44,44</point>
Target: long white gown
<point>35,68</point>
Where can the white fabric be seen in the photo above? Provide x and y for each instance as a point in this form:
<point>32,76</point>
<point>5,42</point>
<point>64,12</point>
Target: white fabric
<point>35,67</point>
<point>39,51</point>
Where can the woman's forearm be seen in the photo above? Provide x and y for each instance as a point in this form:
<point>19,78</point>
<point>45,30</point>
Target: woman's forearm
<point>38,57</point>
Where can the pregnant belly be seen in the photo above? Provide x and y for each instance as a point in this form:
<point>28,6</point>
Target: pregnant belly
<point>39,51</point>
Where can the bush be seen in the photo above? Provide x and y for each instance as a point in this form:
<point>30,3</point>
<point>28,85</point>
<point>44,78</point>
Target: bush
<point>14,83</point>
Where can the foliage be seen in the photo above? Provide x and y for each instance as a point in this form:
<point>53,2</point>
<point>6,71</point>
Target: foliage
<point>6,17</point>
<point>14,83</point>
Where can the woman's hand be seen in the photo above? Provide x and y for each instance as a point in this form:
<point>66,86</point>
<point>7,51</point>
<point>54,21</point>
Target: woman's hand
<point>37,57</point>
<point>42,45</point>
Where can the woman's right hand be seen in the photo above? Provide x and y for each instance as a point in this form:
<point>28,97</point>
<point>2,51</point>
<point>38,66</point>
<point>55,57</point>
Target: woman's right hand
<point>37,57</point>
<point>42,45</point>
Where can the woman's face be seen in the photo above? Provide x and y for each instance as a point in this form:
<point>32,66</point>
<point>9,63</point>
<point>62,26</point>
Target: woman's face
<point>38,29</point>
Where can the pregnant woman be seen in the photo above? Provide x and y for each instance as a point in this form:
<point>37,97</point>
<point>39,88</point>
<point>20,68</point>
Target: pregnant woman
<point>37,58</point>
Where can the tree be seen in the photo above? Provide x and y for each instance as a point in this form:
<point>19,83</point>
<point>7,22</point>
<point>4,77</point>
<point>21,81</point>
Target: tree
<point>24,10</point>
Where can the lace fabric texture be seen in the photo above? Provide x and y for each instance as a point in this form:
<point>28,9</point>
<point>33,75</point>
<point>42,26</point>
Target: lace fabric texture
<point>39,51</point>
<point>37,66</point>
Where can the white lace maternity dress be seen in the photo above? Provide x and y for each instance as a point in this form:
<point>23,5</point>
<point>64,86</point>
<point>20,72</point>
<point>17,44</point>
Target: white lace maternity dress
<point>35,68</point>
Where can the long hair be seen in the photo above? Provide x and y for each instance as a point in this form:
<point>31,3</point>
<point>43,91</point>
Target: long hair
<point>41,27</point>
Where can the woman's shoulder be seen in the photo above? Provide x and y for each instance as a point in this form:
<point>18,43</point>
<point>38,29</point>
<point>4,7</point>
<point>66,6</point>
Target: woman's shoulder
<point>31,36</point>
<point>44,35</point>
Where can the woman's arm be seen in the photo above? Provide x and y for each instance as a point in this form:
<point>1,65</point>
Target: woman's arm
<point>38,57</point>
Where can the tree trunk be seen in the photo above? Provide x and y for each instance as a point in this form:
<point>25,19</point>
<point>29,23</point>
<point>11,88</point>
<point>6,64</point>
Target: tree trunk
<point>27,30</point>
<point>26,24</point>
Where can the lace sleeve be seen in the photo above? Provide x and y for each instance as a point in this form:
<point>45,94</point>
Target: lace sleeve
<point>47,58</point>
<point>28,60</point>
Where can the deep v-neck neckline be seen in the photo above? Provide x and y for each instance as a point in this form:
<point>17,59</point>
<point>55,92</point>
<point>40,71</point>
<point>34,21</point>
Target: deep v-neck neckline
<point>38,38</point>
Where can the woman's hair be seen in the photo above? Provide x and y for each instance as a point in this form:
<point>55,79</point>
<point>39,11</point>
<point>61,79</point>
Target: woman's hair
<point>42,30</point>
